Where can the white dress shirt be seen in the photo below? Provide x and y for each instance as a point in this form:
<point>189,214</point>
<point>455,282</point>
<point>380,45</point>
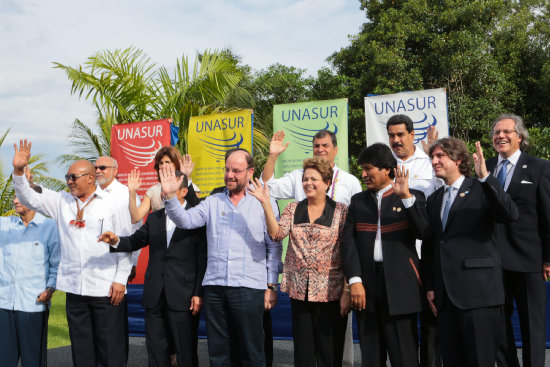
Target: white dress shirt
<point>86,267</point>
<point>513,162</point>
<point>120,195</point>
<point>378,255</point>
<point>421,173</point>
<point>343,187</point>
<point>456,186</point>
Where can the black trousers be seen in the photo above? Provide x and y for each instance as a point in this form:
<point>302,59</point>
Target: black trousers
<point>97,331</point>
<point>430,349</point>
<point>529,293</point>
<point>319,333</point>
<point>469,337</point>
<point>382,334</point>
<point>162,325</point>
<point>23,335</point>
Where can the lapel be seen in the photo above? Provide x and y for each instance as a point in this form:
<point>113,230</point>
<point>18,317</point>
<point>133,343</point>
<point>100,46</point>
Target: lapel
<point>439,196</point>
<point>461,197</point>
<point>515,182</point>
<point>162,223</point>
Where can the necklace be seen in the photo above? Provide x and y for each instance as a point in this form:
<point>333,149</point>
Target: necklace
<point>79,222</point>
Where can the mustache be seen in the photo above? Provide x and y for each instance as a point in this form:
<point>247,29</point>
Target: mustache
<point>397,145</point>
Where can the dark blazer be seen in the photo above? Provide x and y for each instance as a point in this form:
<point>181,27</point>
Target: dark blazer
<point>178,269</point>
<point>400,228</point>
<point>463,260</point>
<point>525,244</point>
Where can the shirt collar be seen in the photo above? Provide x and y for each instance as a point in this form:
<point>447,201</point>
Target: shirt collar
<point>458,182</point>
<point>381,192</point>
<point>512,159</point>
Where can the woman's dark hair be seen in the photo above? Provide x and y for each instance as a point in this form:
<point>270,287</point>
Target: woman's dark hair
<point>172,153</point>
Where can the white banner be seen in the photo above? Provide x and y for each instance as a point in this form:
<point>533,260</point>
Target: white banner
<point>425,107</point>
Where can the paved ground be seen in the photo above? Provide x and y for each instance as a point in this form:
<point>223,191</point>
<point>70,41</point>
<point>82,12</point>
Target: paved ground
<point>61,357</point>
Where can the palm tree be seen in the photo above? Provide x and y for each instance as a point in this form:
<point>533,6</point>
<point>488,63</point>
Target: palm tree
<point>125,86</point>
<point>38,168</point>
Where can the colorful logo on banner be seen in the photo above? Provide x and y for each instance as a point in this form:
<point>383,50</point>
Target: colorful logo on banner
<point>301,121</point>
<point>210,137</point>
<point>426,108</point>
<point>134,146</point>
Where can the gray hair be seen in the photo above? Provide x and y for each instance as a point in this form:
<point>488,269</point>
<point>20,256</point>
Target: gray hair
<point>519,126</point>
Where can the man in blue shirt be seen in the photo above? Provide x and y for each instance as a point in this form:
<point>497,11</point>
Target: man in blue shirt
<point>29,256</point>
<point>243,263</point>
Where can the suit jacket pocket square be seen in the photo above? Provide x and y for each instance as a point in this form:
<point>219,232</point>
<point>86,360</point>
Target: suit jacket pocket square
<point>479,262</point>
<point>526,182</point>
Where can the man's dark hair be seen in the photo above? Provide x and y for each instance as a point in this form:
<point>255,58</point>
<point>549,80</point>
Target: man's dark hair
<point>379,155</point>
<point>456,150</point>
<point>249,159</point>
<point>185,182</point>
<point>401,119</point>
<point>322,133</point>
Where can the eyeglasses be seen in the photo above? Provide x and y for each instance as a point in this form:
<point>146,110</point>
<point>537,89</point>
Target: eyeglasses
<point>237,171</point>
<point>73,177</point>
<point>103,168</point>
<point>505,131</point>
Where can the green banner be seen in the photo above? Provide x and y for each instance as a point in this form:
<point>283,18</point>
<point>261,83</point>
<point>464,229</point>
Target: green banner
<point>301,121</point>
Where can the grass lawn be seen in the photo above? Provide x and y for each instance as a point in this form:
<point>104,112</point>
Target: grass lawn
<point>58,331</point>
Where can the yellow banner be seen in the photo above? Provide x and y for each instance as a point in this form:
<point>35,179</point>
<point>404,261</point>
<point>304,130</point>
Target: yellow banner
<point>210,137</point>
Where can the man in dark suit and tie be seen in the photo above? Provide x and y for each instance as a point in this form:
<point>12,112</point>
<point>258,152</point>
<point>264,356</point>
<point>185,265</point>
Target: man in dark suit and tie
<point>461,271</point>
<point>172,294</point>
<point>525,244</point>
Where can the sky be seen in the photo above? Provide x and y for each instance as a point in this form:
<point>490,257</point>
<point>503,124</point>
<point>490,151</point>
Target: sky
<point>35,98</point>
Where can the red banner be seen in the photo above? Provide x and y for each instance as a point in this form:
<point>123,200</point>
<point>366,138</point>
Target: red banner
<point>134,146</point>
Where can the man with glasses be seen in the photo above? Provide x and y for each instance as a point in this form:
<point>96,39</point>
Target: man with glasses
<point>93,278</point>
<point>524,245</point>
<point>106,169</point>
<point>243,262</point>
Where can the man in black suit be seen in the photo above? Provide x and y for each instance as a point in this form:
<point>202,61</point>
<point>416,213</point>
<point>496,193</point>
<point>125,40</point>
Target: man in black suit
<point>172,289</point>
<point>379,254</point>
<point>525,244</point>
<point>461,264</point>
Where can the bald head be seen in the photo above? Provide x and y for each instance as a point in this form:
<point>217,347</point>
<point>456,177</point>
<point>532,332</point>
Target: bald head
<point>81,179</point>
<point>106,169</point>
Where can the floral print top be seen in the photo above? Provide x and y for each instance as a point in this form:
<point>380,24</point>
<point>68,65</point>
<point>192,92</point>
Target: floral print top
<point>313,263</point>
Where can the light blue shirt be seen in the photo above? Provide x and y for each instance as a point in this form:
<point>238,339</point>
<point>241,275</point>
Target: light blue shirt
<point>29,257</point>
<point>240,252</point>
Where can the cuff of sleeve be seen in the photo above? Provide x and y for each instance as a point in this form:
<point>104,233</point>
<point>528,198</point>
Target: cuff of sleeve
<point>407,203</point>
<point>18,179</point>
<point>116,244</point>
<point>484,178</point>
<point>354,280</point>
<point>51,283</point>
<point>272,278</point>
<point>121,278</point>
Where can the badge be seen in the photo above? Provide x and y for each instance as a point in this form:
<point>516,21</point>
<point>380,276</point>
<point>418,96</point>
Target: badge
<point>524,166</point>
<point>462,194</point>
<point>223,214</point>
<point>398,210</point>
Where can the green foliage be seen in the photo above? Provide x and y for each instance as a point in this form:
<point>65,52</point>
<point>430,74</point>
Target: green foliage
<point>58,329</point>
<point>126,86</point>
<point>491,56</point>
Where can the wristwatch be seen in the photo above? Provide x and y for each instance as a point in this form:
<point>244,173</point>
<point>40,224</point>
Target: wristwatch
<point>273,287</point>
<point>50,289</point>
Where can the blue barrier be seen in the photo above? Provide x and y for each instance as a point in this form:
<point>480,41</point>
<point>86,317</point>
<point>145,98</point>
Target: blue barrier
<point>282,324</point>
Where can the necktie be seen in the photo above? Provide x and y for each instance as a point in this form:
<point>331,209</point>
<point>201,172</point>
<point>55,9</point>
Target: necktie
<point>501,177</point>
<point>448,203</point>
